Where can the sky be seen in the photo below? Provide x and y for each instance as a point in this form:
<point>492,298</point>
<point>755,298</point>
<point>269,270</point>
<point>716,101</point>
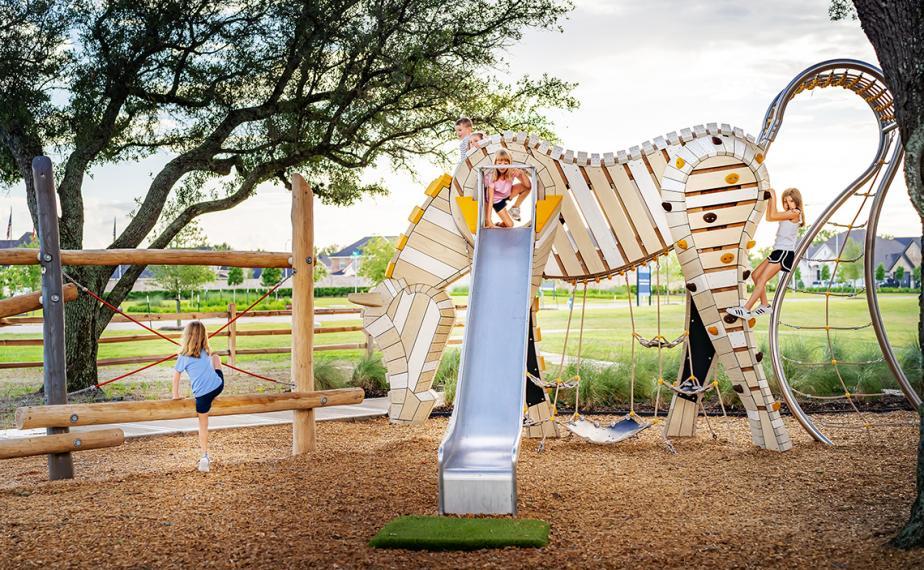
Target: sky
<point>643,69</point>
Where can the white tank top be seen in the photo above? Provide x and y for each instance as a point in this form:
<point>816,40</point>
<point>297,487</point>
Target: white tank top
<point>787,234</point>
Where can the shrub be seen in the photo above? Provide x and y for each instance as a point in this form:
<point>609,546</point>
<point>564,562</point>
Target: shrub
<point>328,376</point>
<point>370,375</point>
<point>448,374</point>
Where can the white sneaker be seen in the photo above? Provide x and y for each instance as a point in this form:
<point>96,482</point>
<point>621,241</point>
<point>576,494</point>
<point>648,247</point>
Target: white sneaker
<point>515,213</point>
<point>739,312</point>
<point>204,464</point>
<point>761,310</point>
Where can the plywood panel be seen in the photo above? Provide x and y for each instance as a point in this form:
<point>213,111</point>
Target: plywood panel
<point>723,216</point>
<point>726,197</point>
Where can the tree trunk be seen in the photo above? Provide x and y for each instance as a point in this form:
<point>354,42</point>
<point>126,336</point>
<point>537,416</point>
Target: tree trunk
<point>896,30</point>
<point>81,325</point>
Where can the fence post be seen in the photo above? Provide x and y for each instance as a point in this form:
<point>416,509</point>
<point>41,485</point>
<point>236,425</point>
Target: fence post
<point>303,434</point>
<point>232,334</point>
<point>60,465</point>
<point>370,346</point>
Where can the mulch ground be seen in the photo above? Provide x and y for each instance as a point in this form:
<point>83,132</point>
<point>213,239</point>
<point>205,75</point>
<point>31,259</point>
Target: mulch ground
<point>716,503</point>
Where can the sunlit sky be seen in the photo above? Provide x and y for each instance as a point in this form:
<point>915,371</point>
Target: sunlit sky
<point>643,69</point>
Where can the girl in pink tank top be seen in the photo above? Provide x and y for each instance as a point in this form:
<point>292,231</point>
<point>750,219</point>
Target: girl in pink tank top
<point>501,186</point>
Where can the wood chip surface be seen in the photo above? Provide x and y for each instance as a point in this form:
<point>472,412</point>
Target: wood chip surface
<point>717,503</point>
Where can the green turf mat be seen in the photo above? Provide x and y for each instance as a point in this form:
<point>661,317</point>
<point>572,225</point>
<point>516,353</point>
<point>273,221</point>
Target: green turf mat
<point>451,533</point>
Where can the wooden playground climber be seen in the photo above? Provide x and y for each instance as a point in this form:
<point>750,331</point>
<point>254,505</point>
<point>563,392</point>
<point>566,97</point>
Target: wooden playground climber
<point>57,416</point>
<point>700,192</point>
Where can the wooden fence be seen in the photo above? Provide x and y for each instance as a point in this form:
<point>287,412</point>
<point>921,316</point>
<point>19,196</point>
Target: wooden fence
<point>231,333</point>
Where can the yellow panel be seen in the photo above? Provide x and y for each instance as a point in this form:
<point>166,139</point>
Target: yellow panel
<point>469,208</point>
<point>545,209</point>
<point>416,214</point>
<point>402,241</point>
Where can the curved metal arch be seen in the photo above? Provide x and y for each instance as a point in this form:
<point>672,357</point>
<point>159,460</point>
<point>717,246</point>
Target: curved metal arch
<point>866,81</point>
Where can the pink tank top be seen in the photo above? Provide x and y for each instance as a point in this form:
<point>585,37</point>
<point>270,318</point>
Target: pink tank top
<point>501,188</point>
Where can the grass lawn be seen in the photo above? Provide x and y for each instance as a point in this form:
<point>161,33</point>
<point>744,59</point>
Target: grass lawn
<point>452,533</point>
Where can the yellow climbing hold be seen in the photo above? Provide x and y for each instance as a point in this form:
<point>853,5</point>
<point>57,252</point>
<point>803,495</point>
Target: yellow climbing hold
<point>751,243</point>
<point>759,158</point>
<point>682,244</point>
<point>402,241</point>
<point>713,331</point>
<point>752,322</point>
<point>680,162</point>
<point>537,335</point>
<point>416,214</point>
<point>390,270</point>
<point>775,406</point>
<point>715,383</point>
<point>435,187</point>
<point>727,257</point>
<point>732,178</point>
<point>469,208</point>
<point>541,363</point>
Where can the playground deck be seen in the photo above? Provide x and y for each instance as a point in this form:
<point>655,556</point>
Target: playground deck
<point>719,503</point>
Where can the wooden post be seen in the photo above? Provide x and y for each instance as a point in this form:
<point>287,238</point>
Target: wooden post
<point>232,334</point>
<point>303,436</point>
<point>60,465</point>
<point>370,344</point>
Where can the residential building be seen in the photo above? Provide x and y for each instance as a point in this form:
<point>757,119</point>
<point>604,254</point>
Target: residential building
<point>891,253</point>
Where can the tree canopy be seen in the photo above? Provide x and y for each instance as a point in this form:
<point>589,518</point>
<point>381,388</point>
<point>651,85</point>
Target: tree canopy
<point>376,255</point>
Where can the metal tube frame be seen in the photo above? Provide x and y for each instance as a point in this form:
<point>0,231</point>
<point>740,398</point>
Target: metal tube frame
<point>888,139</point>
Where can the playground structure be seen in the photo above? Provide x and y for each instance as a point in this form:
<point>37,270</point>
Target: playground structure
<point>57,416</point>
<point>700,192</point>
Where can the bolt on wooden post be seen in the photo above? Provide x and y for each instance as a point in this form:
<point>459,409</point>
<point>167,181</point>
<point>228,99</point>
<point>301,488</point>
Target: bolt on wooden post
<point>60,465</point>
<point>303,433</point>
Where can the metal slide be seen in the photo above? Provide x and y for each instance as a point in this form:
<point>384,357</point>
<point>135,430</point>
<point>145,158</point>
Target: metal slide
<point>478,456</point>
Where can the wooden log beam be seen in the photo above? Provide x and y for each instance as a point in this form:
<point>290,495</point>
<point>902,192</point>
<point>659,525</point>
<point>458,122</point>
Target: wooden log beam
<point>70,415</point>
<point>60,443</point>
<point>31,301</point>
<point>23,256</point>
<point>304,438</point>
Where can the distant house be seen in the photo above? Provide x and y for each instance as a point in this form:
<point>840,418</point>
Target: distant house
<point>23,241</point>
<point>891,253</point>
<point>347,260</point>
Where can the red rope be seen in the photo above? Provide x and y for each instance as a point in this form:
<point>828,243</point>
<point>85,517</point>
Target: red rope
<point>252,305</point>
<point>165,337</point>
<point>255,375</point>
<point>119,311</point>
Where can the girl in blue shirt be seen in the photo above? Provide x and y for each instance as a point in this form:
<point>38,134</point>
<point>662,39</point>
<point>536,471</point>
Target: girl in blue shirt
<point>205,375</point>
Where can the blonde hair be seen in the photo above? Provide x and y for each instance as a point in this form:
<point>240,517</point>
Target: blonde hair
<point>797,198</point>
<point>501,153</point>
<point>195,340</point>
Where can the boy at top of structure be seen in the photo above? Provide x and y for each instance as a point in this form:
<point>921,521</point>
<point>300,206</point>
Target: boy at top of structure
<point>791,218</point>
<point>468,139</point>
<point>502,185</point>
<point>206,377</point>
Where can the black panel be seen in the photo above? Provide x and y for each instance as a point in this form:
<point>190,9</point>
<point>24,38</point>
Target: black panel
<point>701,349</point>
<point>534,394</point>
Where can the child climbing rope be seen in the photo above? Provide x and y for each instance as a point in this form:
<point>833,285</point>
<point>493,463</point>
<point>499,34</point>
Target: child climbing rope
<point>501,186</point>
<point>791,218</point>
<point>204,370</point>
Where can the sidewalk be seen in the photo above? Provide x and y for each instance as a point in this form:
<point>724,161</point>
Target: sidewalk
<point>369,408</point>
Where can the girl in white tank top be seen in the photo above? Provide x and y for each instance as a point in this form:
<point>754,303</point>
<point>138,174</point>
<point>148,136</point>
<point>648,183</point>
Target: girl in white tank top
<point>791,217</point>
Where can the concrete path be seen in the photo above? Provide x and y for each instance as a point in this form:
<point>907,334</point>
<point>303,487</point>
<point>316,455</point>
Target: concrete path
<point>369,408</point>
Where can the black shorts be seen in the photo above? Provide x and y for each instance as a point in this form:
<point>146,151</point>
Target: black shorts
<point>501,205</point>
<point>784,258</point>
<point>204,402</point>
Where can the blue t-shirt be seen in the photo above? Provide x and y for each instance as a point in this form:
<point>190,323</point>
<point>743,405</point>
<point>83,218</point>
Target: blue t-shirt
<point>200,371</point>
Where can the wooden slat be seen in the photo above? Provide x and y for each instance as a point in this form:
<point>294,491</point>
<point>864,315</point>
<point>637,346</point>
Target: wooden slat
<point>593,216</point>
<point>635,205</point>
<point>615,214</point>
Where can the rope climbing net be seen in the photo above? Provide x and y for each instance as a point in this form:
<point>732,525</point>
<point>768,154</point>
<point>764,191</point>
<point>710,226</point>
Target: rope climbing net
<point>102,301</point>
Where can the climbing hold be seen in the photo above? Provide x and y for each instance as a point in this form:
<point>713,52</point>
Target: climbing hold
<point>716,141</point>
<point>775,406</point>
<point>751,244</point>
<point>759,158</point>
<point>691,287</point>
<point>713,331</point>
<point>759,356</point>
<point>767,194</point>
<point>682,244</point>
<point>739,388</point>
<point>416,214</point>
<point>730,319</point>
<point>727,257</point>
<point>667,206</point>
<point>402,241</point>
<point>390,270</point>
<point>732,178</point>
<point>680,162</point>
<point>746,274</point>
<point>752,321</point>
<point>710,217</point>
